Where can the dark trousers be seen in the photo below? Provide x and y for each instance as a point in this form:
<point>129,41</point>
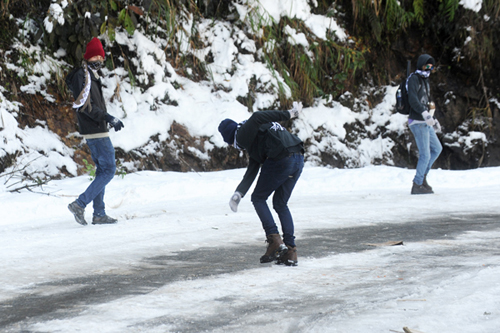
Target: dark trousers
<point>103,155</point>
<point>280,177</point>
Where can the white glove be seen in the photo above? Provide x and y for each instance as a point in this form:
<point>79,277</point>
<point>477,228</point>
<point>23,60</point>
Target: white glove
<point>437,126</point>
<point>235,200</point>
<point>296,108</point>
<point>429,120</point>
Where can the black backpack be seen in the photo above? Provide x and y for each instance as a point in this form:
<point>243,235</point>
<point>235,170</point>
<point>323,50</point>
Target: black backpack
<point>279,142</point>
<point>402,103</point>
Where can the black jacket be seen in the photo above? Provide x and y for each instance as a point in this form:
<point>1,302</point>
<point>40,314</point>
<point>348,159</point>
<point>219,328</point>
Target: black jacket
<point>94,121</point>
<point>419,90</point>
<point>418,96</point>
<point>264,139</point>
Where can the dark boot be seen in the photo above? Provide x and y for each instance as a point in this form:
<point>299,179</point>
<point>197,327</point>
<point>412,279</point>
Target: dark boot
<point>426,184</point>
<point>78,211</point>
<point>275,249</point>
<point>103,220</point>
<point>289,258</point>
<point>420,189</point>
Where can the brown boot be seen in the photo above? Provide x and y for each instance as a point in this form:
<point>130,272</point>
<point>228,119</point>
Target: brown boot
<point>289,258</point>
<point>275,249</point>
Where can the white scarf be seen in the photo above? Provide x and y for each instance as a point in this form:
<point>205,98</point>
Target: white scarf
<point>425,74</point>
<point>83,99</point>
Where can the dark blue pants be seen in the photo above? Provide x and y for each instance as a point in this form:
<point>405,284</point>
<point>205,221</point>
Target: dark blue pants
<point>279,177</point>
<point>103,155</point>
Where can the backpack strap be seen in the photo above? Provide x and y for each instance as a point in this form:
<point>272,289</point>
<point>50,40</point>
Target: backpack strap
<point>407,79</point>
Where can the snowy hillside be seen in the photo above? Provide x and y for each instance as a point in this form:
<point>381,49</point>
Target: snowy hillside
<point>351,131</point>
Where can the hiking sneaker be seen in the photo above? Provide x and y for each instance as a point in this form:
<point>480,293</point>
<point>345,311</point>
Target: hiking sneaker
<point>420,189</point>
<point>78,211</point>
<point>103,220</point>
<point>275,249</point>
<point>289,258</point>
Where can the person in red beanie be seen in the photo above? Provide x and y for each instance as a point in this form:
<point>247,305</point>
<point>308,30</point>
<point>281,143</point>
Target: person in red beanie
<point>94,48</point>
<point>93,119</point>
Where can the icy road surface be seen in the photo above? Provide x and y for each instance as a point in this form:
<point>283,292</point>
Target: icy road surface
<point>180,261</point>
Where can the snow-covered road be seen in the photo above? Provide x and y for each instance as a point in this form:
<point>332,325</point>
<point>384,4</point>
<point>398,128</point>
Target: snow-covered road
<point>180,261</point>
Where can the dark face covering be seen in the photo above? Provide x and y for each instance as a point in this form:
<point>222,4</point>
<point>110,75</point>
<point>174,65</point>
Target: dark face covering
<point>96,65</point>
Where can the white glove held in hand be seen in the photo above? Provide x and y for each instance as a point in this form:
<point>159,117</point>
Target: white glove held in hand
<point>296,108</point>
<point>235,200</point>
<point>437,126</point>
<point>429,120</point>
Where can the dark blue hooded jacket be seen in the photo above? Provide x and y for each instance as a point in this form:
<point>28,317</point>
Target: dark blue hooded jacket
<point>419,90</point>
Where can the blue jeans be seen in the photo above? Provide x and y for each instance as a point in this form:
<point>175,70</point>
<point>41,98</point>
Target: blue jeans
<point>103,155</point>
<point>280,177</point>
<point>429,149</point>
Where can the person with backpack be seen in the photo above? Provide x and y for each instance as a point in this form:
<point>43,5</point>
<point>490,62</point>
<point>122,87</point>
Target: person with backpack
<point>279,156</point>
<point>422,123</point>
<point>93,119</point>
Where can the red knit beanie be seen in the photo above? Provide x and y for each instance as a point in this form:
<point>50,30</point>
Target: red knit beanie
<point>94,48</point>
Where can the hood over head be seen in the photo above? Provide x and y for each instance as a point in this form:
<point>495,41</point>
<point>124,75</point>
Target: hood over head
<point>425,59</point>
